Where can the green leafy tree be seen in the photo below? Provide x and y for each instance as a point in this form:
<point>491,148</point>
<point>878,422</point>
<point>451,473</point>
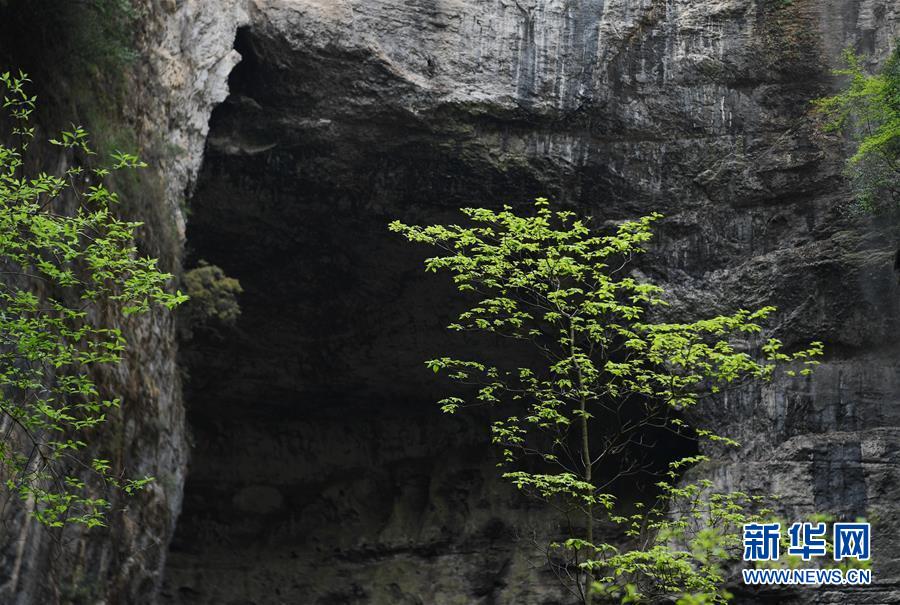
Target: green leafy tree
<point>868,110</point>
<point>603,377</point>
<point>70,274</point>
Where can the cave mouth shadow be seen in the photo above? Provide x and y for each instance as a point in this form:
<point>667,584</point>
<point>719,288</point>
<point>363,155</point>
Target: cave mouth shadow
<point>320,458</point>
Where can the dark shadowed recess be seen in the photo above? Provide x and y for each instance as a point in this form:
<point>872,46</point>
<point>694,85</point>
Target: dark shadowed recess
<point>322,469</point>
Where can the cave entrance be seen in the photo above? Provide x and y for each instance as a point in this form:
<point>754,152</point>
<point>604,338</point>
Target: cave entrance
<point>322,471</point>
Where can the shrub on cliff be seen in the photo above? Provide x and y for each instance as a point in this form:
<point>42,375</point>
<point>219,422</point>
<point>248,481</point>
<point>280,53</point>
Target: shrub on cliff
<point>213,296</point>
<point>71,275</point>
<point>868,111</point>
<point>594,382</point>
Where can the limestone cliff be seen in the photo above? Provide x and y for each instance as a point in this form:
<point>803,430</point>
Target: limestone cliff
<point>321,472</point>
<point>184,54</point>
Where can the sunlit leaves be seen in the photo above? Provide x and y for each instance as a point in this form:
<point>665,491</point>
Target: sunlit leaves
<point>69,269</point>
<point>686,542</point>
<point>553,284</point>
<point>868,110</point>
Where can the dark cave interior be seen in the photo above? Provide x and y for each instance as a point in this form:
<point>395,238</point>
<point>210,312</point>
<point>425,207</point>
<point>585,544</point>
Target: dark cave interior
<point>318,449</point>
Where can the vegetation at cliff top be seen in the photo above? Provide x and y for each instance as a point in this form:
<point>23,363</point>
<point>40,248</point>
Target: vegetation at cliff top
<point>81,34</point>
<point>596,383</point>
<point>71,277</point>
<point>868,110</point>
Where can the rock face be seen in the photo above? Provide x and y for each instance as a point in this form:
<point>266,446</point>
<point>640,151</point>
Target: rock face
<point>321,472</point>
<point>186,52</point>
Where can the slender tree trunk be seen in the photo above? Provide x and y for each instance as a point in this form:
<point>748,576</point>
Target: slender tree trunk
<point>589,513</point>
<point>586,458</point>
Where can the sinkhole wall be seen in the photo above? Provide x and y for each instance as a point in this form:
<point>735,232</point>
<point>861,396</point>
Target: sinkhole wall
<point>320,472</point>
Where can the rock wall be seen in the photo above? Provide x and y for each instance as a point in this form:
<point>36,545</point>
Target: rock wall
<point>185,52</point>
<point>321,473</point>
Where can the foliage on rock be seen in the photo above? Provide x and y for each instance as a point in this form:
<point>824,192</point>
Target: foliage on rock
<point>213,295</point>
<point>868,110</point>
<point>84,34</point>
<point>71,275</point>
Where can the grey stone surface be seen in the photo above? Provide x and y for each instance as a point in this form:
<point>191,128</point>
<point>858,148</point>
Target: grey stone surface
<point>320,472</point>
<point>344,115</point>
